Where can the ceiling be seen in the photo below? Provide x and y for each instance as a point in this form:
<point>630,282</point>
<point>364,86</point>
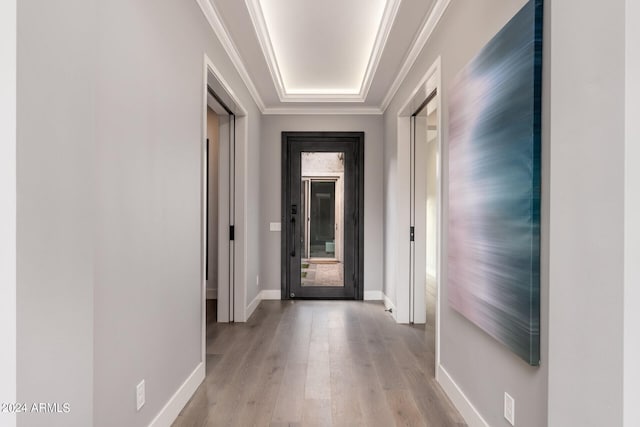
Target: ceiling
<point>323,57</point>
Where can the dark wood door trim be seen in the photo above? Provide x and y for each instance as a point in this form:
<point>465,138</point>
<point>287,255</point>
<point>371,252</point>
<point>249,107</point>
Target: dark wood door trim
<point>355,138</point>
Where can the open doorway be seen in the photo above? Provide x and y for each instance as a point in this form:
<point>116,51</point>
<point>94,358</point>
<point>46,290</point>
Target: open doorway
<point>220,204</point>
<point>420,155</point>
<point>223,209</point>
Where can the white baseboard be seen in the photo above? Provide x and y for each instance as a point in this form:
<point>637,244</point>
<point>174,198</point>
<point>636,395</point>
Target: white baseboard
<point>253,305</point>
<point>389,305</point>
<point>171,410</point>
<point>271,294</point>
<point>373,295</point>
<point>459,399</point>
<point>212,294</point>
<point>267,294</point>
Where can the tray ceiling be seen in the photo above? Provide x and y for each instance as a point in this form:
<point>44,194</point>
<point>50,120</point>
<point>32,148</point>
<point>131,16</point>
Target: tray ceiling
<point>323,57</point>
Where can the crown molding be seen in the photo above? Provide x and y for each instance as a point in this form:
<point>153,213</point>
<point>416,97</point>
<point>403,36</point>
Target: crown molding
<point>430,24</point>
<point>212,16</point>
<point>388,18</point>
<point>257,18</point>
<point>427,29</point>
<point>319,111</point>
<point>260,26</point>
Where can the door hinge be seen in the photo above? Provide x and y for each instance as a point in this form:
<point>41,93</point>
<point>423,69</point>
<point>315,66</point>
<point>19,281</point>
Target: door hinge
<point>412,234</point>
<point>232,232</point>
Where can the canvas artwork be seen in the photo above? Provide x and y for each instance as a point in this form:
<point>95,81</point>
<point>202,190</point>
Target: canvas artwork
<point>494,186</point>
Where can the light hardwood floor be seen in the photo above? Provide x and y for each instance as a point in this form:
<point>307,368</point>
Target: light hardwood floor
<point>319,363</point>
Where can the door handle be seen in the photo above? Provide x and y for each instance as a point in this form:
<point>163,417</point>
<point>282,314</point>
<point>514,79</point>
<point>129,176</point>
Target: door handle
<point>293,246</point>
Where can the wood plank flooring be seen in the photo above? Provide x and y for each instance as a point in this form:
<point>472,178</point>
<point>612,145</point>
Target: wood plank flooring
<point>319,363</point>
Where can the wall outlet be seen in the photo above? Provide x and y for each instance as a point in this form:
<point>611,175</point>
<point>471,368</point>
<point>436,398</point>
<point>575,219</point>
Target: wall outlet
<point>510,409</point>
<point>258,281</point>
<point>140,395</point>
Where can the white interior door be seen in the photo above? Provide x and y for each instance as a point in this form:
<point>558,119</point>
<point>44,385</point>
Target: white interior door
<point>425,209</point>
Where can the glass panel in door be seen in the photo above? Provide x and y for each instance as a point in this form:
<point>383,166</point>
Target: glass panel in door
<point>322,208</point>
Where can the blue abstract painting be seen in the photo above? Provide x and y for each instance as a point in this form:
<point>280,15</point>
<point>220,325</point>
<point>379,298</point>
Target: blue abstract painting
<point>494,186</point>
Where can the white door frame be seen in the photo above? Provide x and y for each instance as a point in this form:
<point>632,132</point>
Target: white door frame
<point>338,179</point>
<point>238,211</point>
<point>418,213</point>
<point>226,218</point>
<point>411,294</point>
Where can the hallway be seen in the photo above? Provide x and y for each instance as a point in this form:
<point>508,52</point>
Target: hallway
<point>309,363</point>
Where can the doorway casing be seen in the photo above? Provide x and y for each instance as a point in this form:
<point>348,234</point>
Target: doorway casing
<point>410,304</point>
<point>232,179</point>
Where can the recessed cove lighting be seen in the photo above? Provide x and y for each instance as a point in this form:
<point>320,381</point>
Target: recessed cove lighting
<point>316,91</point>
<point>306,59</point>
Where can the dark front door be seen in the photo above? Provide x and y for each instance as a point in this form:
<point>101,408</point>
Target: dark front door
<point>322,212</point>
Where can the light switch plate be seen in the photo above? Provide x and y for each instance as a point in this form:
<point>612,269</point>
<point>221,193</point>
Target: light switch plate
<point>275,226</point>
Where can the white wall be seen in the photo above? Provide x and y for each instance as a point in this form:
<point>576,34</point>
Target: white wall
<point>587,213</point>
<point>253,212</point>
<point>55,200</point>
<point>483,368</point>
<point>8,206</point>
<point>586,219</point>
<point>270,186</point>
<point>149,134</point>
<point>390,216</point>
<point>632,213</point>
<point>109,106</point>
